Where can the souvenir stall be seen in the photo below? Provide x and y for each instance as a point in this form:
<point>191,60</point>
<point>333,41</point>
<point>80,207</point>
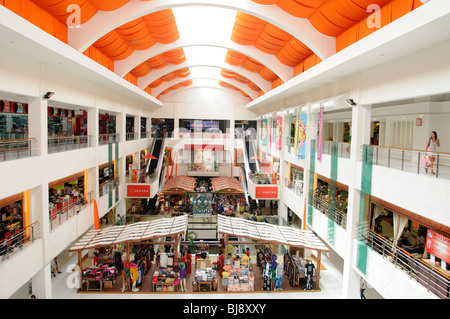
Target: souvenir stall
<point>228,192</point>
<point>299,271</point>
<point>97,278</point>
<point>142,234</point>
<point>272,235</point>
<point>175,193</point>
<point>205,278</point>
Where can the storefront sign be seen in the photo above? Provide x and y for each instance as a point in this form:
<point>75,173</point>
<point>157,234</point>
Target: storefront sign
<point>267,192</point>
<point>138,190</point>
<point>202,204</point>
<point>198,125</point>
<point>438,246</point>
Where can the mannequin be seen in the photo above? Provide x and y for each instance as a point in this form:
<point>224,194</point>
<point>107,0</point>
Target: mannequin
<point>134,276</point>
<point>279,279</point>
<point>182,276</point>
<point>126,275</point>
<point>309,275</point>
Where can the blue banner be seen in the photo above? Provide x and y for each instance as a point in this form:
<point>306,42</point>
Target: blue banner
<point>301,135</point>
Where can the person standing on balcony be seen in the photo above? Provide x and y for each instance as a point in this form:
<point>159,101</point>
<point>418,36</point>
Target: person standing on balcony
<point>432,144</point>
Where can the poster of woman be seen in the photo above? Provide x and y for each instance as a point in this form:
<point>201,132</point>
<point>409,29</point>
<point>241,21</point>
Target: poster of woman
<point>278,134</point>
<point>301,136</point>
<point>264,133</point>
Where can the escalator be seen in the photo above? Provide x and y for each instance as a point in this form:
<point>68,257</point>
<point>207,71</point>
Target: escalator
<point>252,163</point>
<point>150,206</point>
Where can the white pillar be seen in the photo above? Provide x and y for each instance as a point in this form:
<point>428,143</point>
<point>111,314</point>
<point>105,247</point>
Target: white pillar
<point>92,125</point>
<point>42,283</point>
<point>361,120</point>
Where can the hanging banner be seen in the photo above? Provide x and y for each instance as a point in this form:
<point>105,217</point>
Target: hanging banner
<point>319,139</point>
<point>438,246</point>
<point>279,135</point>
<point>301,137</point>
<point>296,134</point>
<point>265,132</point>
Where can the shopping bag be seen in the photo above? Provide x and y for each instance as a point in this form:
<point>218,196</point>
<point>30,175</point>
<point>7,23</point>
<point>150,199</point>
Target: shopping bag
<point>425,160</point>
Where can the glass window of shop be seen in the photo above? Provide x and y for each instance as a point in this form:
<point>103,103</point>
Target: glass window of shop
<point>13,120</point>
<point>205,125</point>
<point>65,192</point>
<point>106,124</point>
<point>162,126</point>
<point>11,216</point>
<point>130,124</point>
<point>296,179</point>
<point>63,122</point>
<point>323,193</point>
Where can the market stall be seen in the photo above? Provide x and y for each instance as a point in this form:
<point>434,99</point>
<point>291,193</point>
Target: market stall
<point>142,233</point>
<point>174,192</point>
<point>264,233</point>
<point>228,192</point>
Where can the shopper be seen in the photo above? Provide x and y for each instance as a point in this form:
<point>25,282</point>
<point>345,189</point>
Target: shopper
<point>432,144</point>
<point>362,288</point>
<point>118,220</point>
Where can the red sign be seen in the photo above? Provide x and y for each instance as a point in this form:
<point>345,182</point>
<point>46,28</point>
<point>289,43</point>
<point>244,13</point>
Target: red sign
<point>138,190</point>
<point>419,121</point>
<point>267,192</point>
<point>438,246</point>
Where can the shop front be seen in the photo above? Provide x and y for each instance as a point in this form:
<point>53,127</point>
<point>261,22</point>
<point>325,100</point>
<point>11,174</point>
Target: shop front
<point>13,120</point>
<point>14,218</point>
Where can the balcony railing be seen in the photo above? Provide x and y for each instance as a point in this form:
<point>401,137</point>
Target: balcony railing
<point>410,160</point>
<point>15,242</point>
<point>131,136</point>
<point>145,134</point>
<point>343,148</point>
<point>68,210</point>
<point>340,218</point>
<point>295,187</point>
<point>142,178</point>
<point>108,138</point>
<point>17,149</point>
<point>68,143</point>
<point>426,275</point>
<point>108,186</point>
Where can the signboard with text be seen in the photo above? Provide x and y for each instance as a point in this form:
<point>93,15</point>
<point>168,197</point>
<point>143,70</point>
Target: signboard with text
<point>438,246</point>
<point>202,205</point>
<point>138,190</point>
<point>266,192</point>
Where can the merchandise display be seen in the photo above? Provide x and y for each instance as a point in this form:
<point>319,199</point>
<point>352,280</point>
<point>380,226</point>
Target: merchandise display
<point>240,279</point>
<point>103,274</point>
<point>164,279</point>
<point>205,277</point>
<point>297,269</point>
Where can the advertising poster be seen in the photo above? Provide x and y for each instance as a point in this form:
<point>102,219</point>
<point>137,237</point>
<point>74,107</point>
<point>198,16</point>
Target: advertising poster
<point>204,161</point>
<point>278,134</point>
<point>296,134</point>
<point>438,246</point>
<point>301,137</point>
<point>319,139</point>
<point>264,132</point>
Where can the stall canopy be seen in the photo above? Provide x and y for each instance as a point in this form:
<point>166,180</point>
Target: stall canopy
<point>265,232</point>
<point>179,185</point>
<point>226,185</point>
<point>137,232</point>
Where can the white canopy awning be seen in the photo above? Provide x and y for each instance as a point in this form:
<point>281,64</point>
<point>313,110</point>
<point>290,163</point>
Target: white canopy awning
<point>136,232</point>
<point>265,232</point>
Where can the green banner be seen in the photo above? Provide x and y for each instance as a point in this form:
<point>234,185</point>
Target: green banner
<point>333,193</point>
<point>312,168</point>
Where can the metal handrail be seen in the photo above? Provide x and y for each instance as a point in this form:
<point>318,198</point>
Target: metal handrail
<point>131,136</point>
<point>108,138</point>
<point>293,188</point>
<point>15,242</point>
<point>60,216</point>
<point>66,143</point>
<point>415,268</point>
<point>340,218</point>
<point>409,160</point>
<point>12,149</point>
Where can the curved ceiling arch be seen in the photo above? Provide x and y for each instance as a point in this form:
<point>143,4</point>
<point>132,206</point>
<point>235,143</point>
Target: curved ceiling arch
<point>124,66</point>
<point>264,85</point>
<point>217,86</point>
<point>105,21</point>
<point>167,85</point>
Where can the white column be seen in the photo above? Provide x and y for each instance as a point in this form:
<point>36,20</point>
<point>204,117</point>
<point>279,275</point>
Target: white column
<point>361,119</point>
<point>42,283</point>
<point>92,125</point>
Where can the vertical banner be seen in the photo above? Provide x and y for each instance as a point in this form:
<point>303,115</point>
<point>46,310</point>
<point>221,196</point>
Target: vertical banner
<point>320,137</point>
<point>301,138</point>
<point>279,134</point>
<point>265,132</point>
<point>289,133</point>
<point>296,134</point>
<point>270,132</point>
